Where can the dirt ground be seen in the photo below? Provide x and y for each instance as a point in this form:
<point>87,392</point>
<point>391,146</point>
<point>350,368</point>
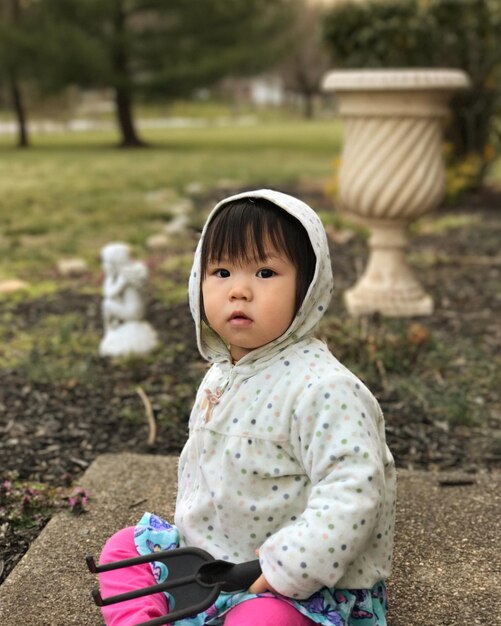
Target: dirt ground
<point>437,378</point>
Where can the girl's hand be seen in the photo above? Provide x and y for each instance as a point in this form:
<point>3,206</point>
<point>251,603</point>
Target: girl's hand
<point>260,585</point>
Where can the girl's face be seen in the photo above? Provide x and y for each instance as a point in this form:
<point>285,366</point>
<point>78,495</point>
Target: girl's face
<point>250,304</point>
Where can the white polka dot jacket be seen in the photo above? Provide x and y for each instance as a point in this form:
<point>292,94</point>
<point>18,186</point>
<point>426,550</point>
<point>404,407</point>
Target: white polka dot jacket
<point>286,451</point>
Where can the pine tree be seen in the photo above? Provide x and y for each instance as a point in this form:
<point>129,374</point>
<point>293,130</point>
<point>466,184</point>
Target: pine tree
<point>158,48</point>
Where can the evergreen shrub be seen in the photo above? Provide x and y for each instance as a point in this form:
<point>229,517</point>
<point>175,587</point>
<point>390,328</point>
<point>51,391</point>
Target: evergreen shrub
<point>463,34</point>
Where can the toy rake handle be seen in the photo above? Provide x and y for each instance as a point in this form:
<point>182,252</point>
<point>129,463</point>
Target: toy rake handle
<point>108,567</point>
<point>229,576</point>
<point>139,593</point>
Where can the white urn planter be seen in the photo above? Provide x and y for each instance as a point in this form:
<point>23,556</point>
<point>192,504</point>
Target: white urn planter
<point>391,173</point>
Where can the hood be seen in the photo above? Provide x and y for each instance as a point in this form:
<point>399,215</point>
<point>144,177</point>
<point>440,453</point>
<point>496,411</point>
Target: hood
<point>315,303</point>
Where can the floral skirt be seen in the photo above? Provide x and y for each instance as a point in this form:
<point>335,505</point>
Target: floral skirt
<point>329,606</point>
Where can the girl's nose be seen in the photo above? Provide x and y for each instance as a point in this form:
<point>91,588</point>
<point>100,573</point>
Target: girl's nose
<point>240,290</point>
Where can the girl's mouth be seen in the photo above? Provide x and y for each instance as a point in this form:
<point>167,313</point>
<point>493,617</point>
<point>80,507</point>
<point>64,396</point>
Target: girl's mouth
<point>239,319</point>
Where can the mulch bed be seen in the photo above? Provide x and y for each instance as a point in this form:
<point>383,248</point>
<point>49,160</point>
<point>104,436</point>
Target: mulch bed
<point>51,432</point>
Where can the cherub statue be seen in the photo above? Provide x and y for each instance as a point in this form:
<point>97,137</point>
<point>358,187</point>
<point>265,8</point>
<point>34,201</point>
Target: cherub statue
<point>123,304</point>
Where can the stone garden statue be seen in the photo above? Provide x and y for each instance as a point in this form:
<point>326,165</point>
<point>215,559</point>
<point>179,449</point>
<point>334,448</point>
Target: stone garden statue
<point>125,331</point>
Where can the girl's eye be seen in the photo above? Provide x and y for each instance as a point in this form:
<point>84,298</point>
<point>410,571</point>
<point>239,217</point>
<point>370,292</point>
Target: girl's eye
<point>265,273</point>
<point>222,273</point>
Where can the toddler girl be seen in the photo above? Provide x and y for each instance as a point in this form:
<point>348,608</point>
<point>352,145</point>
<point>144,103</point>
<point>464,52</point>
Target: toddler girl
<point>286,455</point>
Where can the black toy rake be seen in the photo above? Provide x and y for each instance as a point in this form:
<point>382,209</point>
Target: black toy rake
<point>194,582</point>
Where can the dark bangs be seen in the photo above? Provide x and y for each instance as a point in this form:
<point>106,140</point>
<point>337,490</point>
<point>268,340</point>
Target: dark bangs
<point>241,229</point>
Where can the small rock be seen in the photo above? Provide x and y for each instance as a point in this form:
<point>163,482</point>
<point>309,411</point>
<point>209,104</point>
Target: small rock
<point>12,285</point>
<point>158,242</point>
<point>183,206</point>
<point>177,226</point>
<point>72,267</point>
<point>194,188</point>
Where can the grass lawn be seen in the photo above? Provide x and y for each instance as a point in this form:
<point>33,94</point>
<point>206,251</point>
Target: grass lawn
<point>71,193</point>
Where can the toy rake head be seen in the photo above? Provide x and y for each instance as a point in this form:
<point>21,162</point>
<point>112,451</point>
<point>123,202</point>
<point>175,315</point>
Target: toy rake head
<point>195,580</point>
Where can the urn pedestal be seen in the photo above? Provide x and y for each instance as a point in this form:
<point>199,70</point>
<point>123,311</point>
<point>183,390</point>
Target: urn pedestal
<point>391,173</point>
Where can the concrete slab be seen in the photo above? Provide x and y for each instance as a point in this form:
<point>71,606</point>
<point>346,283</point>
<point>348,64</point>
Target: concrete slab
<point>447,564</point>
<point>51,585</point>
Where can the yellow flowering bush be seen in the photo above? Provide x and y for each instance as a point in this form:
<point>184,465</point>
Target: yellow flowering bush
<point>465,173</point>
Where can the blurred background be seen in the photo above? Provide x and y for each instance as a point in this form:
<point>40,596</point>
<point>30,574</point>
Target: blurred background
<point>126,120</point>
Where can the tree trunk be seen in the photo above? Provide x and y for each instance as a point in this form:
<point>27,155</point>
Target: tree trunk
<point>11,12</point>
<point>17,103</point>
<point>123,91</point>
<point>123,102</point>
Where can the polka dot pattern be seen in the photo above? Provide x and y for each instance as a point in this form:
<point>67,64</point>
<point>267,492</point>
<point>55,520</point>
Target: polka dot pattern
<point>287,452</point>
<point>295,471</point>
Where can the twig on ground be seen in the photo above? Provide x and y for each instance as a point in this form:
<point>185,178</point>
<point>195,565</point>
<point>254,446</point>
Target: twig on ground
<point>152,425</point>
<point>137,503</point>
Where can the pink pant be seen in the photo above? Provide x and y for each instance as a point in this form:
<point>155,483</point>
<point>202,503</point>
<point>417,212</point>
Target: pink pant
<point>257,612</point>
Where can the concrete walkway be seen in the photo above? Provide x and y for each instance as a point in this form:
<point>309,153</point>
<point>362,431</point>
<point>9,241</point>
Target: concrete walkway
<point>447,558</point>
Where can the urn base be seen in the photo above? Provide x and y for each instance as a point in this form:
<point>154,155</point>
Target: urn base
<point>389,303</point>
<point>388,284</point>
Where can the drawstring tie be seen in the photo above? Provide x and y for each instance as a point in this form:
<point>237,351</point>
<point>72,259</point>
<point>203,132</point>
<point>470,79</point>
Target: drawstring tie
<point>212,398</point>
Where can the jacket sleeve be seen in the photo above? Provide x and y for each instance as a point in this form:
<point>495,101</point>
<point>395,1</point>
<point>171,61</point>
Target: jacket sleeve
<point>336,437</point>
